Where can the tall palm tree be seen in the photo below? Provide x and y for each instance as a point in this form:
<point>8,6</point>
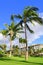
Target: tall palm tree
<point>29,14</point>
<point>11,30</point>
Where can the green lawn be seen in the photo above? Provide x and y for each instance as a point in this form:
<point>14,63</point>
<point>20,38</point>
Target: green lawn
<point>21,61</point>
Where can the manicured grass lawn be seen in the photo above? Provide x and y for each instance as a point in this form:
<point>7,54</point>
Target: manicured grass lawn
<point>21,61</point>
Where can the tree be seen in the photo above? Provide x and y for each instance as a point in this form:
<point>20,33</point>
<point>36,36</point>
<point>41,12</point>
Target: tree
<point>29,15</point>
<point>11,30</point>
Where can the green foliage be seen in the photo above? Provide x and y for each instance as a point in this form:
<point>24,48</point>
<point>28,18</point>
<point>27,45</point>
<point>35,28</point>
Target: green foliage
<point>41,50</point>
<point>3,46</point>
<point>22,40</point>
<point>12,30</point>
<point>15,50</point>
<point>4,32</point>
<point>0,51</point>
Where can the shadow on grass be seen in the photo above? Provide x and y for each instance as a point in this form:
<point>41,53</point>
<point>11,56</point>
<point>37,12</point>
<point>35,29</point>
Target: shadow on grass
<point>32,62</point>
<point>3,59</point>
<point>22,61</point>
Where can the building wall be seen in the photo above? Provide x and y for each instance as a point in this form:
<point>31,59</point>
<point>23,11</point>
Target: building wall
<point>38,47</point>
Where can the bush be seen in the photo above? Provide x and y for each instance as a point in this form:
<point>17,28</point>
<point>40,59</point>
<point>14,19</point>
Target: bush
<point>1,55</point>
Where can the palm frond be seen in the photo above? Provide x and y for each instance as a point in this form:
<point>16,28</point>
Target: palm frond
<point>6,25</point>
<point>12,25</point>
<point>16,16</point>
<point>12,17</point>
<point>31,31</point>
<point>32,8</point>
<point>29,13</point>
<point>19,28</point>
<point>37,19</point>
<point>32,13</point>
<point>4,32</point>
<point>19,24</point>
<point>21,32</point>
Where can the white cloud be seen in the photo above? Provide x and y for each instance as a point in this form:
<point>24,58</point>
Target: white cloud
<point>1,36</point>
<point>41,15</point>
<point>38,31</point>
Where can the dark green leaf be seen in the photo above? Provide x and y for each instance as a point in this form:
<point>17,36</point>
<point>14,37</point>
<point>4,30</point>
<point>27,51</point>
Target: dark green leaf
<point>31,31</point>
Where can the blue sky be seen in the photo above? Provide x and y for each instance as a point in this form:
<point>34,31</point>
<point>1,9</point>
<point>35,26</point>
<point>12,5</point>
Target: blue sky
<point>39,40</point>
<point>8,7</point>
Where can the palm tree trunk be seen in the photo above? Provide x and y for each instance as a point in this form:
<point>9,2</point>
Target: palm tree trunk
<point>10,48</point>
<point>4,43</point>
<point>26,53</point>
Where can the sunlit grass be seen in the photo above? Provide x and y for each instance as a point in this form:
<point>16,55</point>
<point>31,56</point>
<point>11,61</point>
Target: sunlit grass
<point>21,61</point>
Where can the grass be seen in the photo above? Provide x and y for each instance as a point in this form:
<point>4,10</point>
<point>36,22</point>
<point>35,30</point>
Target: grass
<point>21,61</point>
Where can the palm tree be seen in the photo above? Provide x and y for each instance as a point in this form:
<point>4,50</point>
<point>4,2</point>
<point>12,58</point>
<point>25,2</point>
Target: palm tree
<point>11,30</point>
<point>29,14</point>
